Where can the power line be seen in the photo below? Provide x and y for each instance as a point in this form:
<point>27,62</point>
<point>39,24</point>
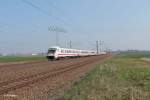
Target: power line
<point>62,12</point>
<point>36,7</point>
<point>44,12</point>
<point>58,10</point>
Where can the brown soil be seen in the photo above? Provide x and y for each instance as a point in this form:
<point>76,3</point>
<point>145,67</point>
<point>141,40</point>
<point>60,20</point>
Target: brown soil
<point>45,88</point>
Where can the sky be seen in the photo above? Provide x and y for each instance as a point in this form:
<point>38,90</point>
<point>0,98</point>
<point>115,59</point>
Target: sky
<point>120,24</point>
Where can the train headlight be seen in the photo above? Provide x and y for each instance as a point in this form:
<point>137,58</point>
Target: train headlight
<point>50,54</point>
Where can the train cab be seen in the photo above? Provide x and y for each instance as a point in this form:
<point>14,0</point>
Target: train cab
<point>52,53</point>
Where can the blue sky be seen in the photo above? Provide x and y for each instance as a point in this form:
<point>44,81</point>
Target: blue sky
<point>121,24</point>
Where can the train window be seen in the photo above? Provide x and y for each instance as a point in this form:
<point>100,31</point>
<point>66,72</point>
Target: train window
<point>62,51</point>
<point>51,51</point>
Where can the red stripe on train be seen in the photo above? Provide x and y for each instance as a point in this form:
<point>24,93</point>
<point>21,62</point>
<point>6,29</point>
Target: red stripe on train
<point>68,54</point>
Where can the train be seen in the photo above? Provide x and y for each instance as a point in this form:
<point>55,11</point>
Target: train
<point>58,52</point>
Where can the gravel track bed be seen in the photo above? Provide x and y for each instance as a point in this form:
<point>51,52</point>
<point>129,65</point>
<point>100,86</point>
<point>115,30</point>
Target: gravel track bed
<point>49,88</point>
<point>23,70</point>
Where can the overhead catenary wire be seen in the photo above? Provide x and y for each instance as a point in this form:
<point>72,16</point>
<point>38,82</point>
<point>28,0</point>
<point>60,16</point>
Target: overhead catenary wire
<point>56,8</point>
<point>61,12</point>
<point>37,7</point>
<point>45,12</point>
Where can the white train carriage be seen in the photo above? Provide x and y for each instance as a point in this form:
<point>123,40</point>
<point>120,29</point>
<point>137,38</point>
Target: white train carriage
<point>57,52</point>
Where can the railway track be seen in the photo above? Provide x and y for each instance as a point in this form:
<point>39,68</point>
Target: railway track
<point>40,73</point>
<point>28,64</point>
<point>25,81</point>
<point>17,64</point>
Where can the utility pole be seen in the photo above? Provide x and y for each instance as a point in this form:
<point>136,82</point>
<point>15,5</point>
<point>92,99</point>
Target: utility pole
<point>57,30</point>
<point>101,43</point>
<point>97,47</point>
<point>70,44</point>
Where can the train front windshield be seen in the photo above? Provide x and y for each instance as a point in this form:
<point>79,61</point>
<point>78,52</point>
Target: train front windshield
<point>52,50</point>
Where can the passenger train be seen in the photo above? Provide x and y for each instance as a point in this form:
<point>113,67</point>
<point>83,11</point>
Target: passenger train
<point>57,52</point>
